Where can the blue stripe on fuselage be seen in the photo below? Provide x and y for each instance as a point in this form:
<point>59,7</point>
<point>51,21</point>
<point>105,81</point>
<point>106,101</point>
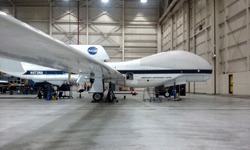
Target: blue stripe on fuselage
<point>128,71</point>
<point>46,73</point>
<point>166,71</point>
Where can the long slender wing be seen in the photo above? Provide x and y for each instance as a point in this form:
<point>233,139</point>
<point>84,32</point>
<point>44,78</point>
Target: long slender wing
<point>22,42</point>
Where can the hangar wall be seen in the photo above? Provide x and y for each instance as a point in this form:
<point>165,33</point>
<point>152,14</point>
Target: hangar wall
<point>126,28</point>
<point>218,31</point>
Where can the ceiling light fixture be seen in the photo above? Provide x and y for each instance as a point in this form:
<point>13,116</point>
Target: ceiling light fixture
<point>105,1</point>
<point>143,1</point>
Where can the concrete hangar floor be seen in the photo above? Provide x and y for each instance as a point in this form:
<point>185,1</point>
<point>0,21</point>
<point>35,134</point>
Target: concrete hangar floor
<point>196,122</point>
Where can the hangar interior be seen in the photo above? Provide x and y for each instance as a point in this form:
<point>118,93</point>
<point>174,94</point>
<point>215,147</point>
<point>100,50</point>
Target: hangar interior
<point>217,30</point>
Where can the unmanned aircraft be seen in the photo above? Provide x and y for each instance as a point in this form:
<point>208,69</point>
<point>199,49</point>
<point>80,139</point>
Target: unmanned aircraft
<point>23,43</point>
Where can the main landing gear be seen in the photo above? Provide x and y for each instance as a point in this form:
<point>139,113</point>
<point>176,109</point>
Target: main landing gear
<point>97,97</point>
<point>110,96</point>
<point>166,94</point>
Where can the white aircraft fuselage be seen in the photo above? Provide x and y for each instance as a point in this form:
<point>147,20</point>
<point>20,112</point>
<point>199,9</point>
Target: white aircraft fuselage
<point>164,69</point>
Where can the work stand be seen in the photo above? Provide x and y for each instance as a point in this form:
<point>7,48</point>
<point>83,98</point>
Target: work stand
<point>63,94</point>
<point>149,92</point>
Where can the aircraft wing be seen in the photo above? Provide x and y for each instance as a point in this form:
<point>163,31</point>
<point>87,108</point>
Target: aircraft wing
<point>178,80</point>
<point>21,42</point>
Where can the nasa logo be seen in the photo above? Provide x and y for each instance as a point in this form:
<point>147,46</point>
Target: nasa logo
<point>92,50</point>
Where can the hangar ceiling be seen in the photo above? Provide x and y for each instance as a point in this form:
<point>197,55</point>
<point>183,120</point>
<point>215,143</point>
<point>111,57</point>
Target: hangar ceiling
<point>127,29</point>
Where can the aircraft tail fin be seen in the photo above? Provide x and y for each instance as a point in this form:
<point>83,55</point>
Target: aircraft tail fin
<point>95,51</point>
<point>8,66</point>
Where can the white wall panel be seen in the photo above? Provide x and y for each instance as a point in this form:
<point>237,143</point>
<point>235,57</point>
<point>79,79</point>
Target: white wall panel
<point>175,34</point>
<point>228,25</point>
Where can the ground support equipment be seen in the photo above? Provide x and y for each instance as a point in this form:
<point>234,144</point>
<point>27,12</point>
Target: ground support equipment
<point>80,93</point>
<point>111,96</point>
<point>150,95</point>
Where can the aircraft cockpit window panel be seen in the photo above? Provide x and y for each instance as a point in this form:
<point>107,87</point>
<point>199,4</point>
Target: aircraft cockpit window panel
<point>130,76</point>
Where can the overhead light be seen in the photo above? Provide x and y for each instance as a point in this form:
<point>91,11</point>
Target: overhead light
<point>105,1</point>
<point>143,1</point>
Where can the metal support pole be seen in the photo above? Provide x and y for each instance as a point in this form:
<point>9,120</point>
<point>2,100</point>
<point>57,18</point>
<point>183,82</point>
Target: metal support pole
<point>206,31</point>
<point>87,22</point>
<point>183,26</point>
<point>226,38</point>
<point>193,17</point>
<point>188,34</point>
<point>78,9</point>
<point>195,53</point>
<point>123,35</point>
<point>194,34</point>
<point>69,35</point>
<point>175,31</point>
<point>188,26</point>
<point>50,19</point>
<point>158,38</point>
<point>14,10</point>
<point>248,42</point>
<point>158,31</point>
<point>172,34</point>
<point>214,43</point>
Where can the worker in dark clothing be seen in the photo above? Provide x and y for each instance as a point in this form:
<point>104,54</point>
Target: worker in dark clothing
<point>39,95</point>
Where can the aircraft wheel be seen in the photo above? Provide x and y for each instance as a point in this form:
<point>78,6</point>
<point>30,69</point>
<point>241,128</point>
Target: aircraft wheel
<point>166,94</point>
<point>97,96</point>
